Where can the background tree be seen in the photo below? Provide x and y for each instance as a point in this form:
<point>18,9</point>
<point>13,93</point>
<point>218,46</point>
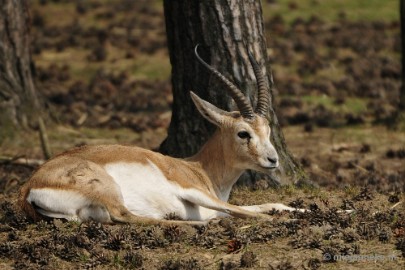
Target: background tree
<point>400,114</point>
<point>19,101</point>
<point>223,28</point>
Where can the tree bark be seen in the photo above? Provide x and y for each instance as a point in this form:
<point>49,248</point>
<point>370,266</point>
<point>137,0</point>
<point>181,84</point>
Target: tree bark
<point>19,102</point>
<point>223,28</point>
<point>397,120</point>
<point>402,91</point>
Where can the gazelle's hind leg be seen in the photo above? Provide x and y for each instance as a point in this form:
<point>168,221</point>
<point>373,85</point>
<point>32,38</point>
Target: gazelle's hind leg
<point>67,204</point>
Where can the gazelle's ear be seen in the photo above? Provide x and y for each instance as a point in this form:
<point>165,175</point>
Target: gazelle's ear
<point>209,111</point>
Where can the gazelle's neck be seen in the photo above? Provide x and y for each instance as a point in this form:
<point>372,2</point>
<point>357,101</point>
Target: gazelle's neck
<point>218,163</point>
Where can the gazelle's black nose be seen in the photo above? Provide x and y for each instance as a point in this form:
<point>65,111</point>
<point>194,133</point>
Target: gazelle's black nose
<point>272,160</point>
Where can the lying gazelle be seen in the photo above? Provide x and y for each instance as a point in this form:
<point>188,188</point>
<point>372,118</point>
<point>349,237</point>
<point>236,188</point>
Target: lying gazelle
<point>115,183</point>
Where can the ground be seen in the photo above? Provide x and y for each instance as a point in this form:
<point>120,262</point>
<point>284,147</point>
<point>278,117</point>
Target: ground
<point>103,68</point>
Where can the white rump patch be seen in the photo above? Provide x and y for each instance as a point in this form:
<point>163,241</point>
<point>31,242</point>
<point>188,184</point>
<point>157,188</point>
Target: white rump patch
<point>66,204</point>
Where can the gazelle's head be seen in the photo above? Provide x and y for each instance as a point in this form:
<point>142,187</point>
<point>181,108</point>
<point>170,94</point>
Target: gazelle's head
<point>245,134</point>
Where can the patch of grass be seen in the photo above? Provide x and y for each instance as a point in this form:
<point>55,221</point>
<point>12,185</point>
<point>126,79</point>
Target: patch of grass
<point>72,57</point>
<point>117,261</point>
<point>62,138</point>
<point>83,258</point>
<point>288,190</point>
<point>332,73</point>
<point>145,67</point>
<point>310,190</point>
<point>329,11</point>
<point>355,105</point>
<point>372,135</point>
<point>58,13</point>
<point>154,67</point>
<point>86,135</point>
<point>351,105</point>
<point>351,191</point>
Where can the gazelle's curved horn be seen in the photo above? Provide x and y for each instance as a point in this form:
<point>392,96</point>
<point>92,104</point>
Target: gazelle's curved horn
<point>263,96</point>
<point>241,101</point>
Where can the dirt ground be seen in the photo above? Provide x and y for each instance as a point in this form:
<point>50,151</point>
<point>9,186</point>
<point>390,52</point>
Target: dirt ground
<point>372,237</point>
<point>104,71</point>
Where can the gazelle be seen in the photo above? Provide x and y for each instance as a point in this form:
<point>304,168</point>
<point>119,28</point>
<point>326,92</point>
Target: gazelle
<point>115,183</point>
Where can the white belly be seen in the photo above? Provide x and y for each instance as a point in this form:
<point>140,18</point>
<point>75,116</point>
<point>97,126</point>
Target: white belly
<point>147,192</point>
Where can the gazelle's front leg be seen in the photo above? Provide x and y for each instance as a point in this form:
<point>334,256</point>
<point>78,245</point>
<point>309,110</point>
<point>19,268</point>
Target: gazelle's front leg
<point>267,207</point>
<point>208,201</point>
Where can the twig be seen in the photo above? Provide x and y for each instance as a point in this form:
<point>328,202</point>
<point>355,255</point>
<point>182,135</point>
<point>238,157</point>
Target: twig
<point>44,139</point>
<point>395,205</point>
<point>361,168</point>
<point>6,159</point>
<point>21,161</point>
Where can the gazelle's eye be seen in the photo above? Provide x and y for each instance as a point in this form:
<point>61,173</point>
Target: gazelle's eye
<point>244,135</point>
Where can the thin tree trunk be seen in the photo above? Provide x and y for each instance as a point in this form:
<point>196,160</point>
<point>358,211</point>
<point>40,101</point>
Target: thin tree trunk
<point>401,106</point>
<point>19,102</point>
<point>223,28</point>
<point>397,119</point>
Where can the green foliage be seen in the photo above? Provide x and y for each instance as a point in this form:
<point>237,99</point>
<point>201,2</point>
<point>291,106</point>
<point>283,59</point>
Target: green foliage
<point>352,105</point>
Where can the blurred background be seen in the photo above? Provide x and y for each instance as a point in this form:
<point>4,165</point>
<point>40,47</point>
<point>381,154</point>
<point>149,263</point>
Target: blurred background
<point>104,69</point>
<point>103,63</point>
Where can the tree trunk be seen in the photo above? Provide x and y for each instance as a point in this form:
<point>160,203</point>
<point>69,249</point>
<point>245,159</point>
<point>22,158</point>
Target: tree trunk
<point>397,120</point>
<point>19,101</point>
<point>400,114</point>
<point>223,28</point>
